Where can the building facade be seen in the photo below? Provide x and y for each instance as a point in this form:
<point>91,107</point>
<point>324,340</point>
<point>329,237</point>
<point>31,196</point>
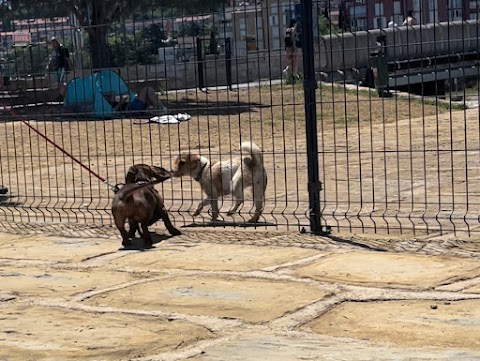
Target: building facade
<point>374,14</point>
<point>261,25</point>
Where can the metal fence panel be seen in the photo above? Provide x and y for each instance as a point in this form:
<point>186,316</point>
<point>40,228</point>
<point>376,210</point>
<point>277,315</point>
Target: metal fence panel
<point>390,110</point>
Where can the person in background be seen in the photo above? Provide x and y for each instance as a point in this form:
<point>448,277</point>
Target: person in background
<point>60,64</point>
<point>410,20</point>
<point>146,100</point>
<point>392,24</point>
<point>291,48</point>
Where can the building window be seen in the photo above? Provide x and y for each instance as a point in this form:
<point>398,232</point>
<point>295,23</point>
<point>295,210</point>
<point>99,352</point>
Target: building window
<point>474,4</point>
<point>259,23</point>
<point>379,9</point>
<point>416,6</point>
<point>379,22</point>
<point>358,12</point>
<point>455,10</point>
<point>360,24</point>
<point>288,13</point>
<point>433,11</point>
<point>397,10</point>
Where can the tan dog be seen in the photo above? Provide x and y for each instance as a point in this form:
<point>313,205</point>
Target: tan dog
<point>233,176</point>
<point>140,203</point>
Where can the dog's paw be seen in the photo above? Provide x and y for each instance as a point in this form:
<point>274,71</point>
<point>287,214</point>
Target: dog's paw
<point>127,243</point>
<point>196,213</point>
<point>231,213</point>
<point>175,232</point>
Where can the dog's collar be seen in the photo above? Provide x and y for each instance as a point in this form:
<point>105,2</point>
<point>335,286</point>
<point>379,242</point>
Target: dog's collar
<point>199,175</point>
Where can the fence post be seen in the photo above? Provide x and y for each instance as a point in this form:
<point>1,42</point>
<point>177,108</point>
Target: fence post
<point>228,62</point>
<point>309,86</point>
<point>201,80</point>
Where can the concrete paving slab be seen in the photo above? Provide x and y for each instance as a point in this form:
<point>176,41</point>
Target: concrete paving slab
<point>392,269</point>
<point>80,298</point>
<point>54,249</point>
<point>45,282</point>
<point>447,325</point>
<point>474,289</point>
<point>211,257</point>
<point>306,348</point>
<point>248,299</point>
<point>48,333</point>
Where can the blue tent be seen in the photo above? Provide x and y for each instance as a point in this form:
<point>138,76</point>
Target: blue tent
<point>86,95</point>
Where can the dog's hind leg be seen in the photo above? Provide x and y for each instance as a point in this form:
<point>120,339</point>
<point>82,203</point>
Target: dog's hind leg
<point>237,190</point>
<point>146,235</point>
<point>238,196</point>
<point>202,204</point>
<point>259,200</point>
<point>120,223</point>
<point>133,227</point>
<point>170,227</point>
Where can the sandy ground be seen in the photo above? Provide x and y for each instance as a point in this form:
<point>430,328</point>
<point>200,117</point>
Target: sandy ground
<point>387,165</point>
<point>238,295</point>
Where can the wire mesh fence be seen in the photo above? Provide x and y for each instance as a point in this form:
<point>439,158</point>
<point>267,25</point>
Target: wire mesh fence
<point>391,110</point>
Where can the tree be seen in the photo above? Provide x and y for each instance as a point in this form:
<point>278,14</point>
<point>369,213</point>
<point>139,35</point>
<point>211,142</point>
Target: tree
<point>96,16</point>
<point>190,29</point>
<point>154,37</point>
<point>325,27</point>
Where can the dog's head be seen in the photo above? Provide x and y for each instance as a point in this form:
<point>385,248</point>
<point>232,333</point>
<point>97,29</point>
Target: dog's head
<point>147,173</point>
<point>186,164</point>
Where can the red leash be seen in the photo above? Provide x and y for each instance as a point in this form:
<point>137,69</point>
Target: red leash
<point>113,188</point>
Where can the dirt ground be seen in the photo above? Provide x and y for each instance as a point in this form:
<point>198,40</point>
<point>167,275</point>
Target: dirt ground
<point>390,165</point>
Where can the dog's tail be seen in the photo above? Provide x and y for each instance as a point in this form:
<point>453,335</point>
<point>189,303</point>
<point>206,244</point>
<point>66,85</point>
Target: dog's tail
<point>128,189</point>
<point>252,154</point>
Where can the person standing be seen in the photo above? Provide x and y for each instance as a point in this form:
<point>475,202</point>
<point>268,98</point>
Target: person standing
<point>291,48</point>
<point>410,20</point>
<point>60,64</point>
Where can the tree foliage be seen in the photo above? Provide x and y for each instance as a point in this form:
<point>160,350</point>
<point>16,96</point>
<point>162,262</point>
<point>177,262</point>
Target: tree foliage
<point>96,16</point>
<point>325,27</point>
<point>141,48</point>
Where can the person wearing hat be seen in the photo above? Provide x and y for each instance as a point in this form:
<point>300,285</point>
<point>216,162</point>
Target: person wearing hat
<point>60,64</point>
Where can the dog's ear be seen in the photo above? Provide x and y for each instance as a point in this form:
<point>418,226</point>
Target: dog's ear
<point>195,162</point>
<point>131,174</point>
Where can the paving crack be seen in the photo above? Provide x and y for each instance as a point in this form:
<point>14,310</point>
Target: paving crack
<point>101,258</point>
<point>189,351</point>
<point>213,324</point>
<point>362,294</point>
<point>89,294</point>
<point>302,262</point>
<point>459,285</point>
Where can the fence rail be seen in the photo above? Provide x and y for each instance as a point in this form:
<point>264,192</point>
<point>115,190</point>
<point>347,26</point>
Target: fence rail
<point>379,132</point>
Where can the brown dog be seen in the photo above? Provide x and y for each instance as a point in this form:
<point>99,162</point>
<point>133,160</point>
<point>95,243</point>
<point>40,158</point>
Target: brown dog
<point>140,203</point>
<point>232,176</point>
